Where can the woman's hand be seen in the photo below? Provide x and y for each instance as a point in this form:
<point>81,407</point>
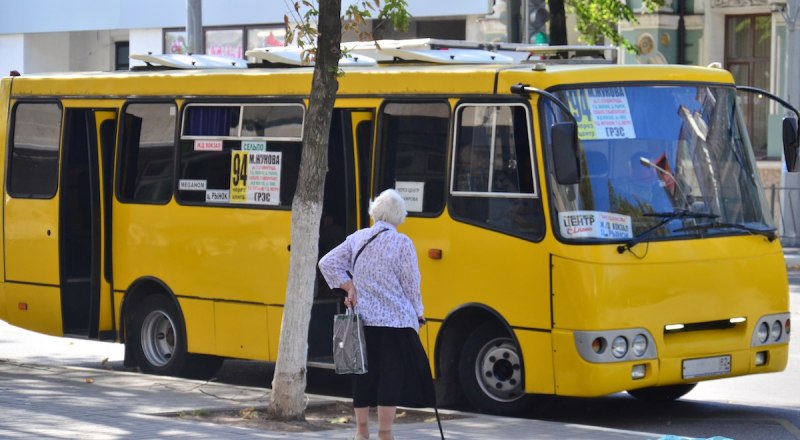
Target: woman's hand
<point>350,299</point>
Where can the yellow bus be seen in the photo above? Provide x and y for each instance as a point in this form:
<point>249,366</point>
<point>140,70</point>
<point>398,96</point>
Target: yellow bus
<point>152,208</point>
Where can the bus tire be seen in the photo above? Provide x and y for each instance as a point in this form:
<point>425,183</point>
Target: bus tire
<point>158,339</point>
<point>663,393</point>
<point>491,374</point>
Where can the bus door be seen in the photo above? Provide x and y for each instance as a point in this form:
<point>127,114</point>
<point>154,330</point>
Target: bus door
<point>53,221</point>
<point>349,142</point>
<point>85,205</point>
<point>31,217</point>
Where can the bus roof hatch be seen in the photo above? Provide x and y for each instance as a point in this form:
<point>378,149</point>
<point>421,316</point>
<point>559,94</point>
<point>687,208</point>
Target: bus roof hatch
<point>570,54</point>
<point>188,61</point>
<point>293,56</point>
<point>428,50</point>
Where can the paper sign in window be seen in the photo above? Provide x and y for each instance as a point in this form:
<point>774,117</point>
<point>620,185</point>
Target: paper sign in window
<point>217,196</point>
<point>255,177</point>
<point>602,113</point>
<point>594,224</point>
<point>413,193</point>
<point>254,145</point>
<point>207,145</point>
<point>191,185</point>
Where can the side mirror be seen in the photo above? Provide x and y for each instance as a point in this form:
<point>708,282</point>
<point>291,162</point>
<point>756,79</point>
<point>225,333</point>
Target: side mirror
<point>790,144</point>
<point>565,152</point>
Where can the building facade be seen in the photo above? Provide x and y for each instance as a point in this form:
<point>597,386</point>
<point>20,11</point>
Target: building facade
<point>747,37</point>
<point>85,35</point>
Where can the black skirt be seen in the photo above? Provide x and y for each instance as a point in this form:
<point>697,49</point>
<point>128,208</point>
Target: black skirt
<point>398,373</point>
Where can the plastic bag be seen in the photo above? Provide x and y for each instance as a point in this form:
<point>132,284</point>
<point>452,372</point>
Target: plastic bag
<point>349,347</point>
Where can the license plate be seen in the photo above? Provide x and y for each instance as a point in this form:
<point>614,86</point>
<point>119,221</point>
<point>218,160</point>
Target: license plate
<point>712,366</point>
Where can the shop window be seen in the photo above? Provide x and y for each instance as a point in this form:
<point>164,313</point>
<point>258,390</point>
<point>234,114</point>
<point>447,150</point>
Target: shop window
<point>747,57</point>
<point>121,54</point>
<point>225,42</point>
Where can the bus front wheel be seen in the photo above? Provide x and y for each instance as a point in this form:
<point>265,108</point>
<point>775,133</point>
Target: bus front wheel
<point>663,393</point>
<point>490,372</point>
<point>158,342</point>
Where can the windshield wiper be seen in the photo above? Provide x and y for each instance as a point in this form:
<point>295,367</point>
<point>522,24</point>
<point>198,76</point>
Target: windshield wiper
<point>666,217</point>
<point>769,233</point>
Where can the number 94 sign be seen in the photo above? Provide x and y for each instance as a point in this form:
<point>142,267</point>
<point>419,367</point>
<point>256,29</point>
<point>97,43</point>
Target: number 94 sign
<point>602,113</point>
<point>255,177</point>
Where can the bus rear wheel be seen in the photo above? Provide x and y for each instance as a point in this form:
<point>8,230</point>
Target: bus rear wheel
<point>662,394</point>
<point>158,342</point>
<point>491,374</point>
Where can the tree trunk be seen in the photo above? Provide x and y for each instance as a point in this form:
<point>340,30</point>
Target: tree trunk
<point>289,381</point>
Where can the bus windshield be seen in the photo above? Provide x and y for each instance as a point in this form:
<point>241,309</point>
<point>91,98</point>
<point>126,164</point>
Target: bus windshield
<point>669,161</point>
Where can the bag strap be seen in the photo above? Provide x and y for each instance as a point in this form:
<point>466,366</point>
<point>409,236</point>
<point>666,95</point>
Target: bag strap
<point>365,245</point>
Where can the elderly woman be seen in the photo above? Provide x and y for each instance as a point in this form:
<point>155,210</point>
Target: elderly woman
<point>385,291</point>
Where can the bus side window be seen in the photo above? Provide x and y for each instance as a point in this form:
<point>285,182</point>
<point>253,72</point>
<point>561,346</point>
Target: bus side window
<point>492,183</point>
<point>254,163</point>
<point>33,166</point>
<point>413,146</point>
<point>147,151</point>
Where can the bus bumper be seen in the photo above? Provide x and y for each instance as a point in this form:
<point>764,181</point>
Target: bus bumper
<point>587,379</point>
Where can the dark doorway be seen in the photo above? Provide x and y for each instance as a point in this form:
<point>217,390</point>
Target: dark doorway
<point>80,238</point>
<point>338,220</point>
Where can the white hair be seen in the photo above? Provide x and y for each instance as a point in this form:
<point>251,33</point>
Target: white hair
<point>389,207</point>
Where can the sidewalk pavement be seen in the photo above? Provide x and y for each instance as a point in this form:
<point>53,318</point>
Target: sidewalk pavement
<point>57,402</point>
<point>792,256</point>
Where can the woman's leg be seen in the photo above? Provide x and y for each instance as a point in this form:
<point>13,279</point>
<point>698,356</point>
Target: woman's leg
<point>362,421</point>
<point>385,421</point>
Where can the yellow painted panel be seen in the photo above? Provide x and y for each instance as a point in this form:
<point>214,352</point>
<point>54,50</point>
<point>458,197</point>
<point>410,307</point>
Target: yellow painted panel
<point>508,274</point>
<point>43,312</point>
<point>575,74</point>
<point>536,354</point>
<point>382,80</point>
<point>259,82</point>
<point>198,316</point>
<point>205,252</point>
<point>5,85</point>
<point>241,330</point>
<point>106,316</point>
<point>31,240</point>
<point>678,282</point>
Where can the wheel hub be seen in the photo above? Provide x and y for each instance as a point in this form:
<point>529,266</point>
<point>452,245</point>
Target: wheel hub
<point>499,370</point>
<point>158,338</point>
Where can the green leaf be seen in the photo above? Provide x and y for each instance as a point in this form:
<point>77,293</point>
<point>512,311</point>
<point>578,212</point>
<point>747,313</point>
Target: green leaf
<point>597,19</point>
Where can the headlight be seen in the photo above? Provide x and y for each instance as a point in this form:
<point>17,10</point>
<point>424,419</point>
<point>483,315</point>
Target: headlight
<point>771,329</point>
<point>639,345</point>
<point>619,347</point>
<point>763,332</point>
<point>776,330</point>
